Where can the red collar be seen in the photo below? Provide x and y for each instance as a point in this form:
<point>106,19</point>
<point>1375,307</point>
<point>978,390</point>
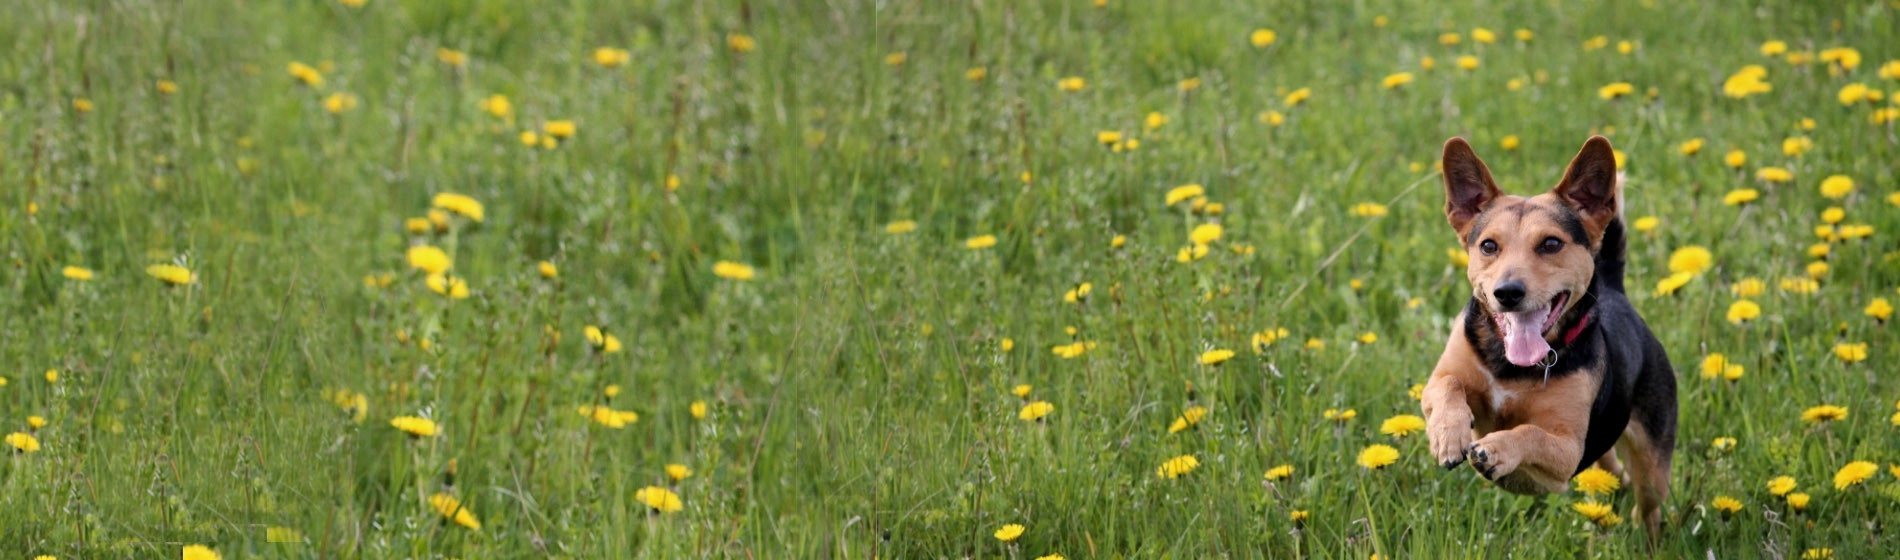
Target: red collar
<point>1572,334</point>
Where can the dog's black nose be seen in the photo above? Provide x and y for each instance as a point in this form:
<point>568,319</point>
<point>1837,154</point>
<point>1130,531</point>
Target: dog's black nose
<point>1509,293</point>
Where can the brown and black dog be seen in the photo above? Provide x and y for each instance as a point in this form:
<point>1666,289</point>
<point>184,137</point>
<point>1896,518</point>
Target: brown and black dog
<point>1548,365</point>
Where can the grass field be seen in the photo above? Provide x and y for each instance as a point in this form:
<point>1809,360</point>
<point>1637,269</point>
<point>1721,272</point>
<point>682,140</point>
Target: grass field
<point>848,387</point>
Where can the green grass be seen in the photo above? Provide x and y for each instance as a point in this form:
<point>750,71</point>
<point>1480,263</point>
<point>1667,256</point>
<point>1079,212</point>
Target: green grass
<point>859,399</point>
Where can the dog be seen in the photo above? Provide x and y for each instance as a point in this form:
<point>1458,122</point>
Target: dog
<point>1549,365</point>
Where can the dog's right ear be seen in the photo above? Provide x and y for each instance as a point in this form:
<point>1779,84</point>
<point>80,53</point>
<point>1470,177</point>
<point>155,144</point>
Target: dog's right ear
<point>1468,185</point>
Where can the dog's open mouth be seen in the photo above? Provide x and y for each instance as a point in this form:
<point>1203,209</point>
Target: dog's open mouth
<point>1524,331</point>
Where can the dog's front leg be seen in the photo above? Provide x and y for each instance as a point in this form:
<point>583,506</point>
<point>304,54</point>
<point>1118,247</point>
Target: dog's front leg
<point>1447,419</point>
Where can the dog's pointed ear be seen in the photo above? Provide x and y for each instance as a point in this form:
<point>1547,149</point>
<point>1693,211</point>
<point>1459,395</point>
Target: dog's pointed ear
<point>1590,186</point>
<point>1468,185</point>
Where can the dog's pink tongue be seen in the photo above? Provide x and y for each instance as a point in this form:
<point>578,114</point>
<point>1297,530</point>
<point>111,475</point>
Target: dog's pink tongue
<point>1524,342</point>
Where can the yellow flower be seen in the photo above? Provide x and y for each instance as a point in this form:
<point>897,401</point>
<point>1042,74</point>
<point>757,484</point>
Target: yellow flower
<point>1272,118</point>
<point>459,203</point>
<point>600,340</point>
<point>451,57</point>
<point>1592,510</point>
<point>1890,70</point>
<point>167,87</point>
<point>417,427</point>
<point>609,57</point>
<point>1837,186</point>
<point>1817,270</point>
<point>1022,390</point>
<point>1774,174</point>
<point>1772,48</point>
<point>23,442</point>
<point>1483,35</point>
<point>1796,146</point>
<point>1800,285</point>
<point>1739,197</point>
<point>1846,57</point>
<point>1188,419</point>
<point>1459,257</point>
<point>1735,158</point>
<point>976,74</point>
<point>1879,309</point>
<point>1184,192</point>
<point>1281,472</point>
<point>497,105</point>
<point>1427,63</point>
<point>980,242</point>
<point>1726,505</point>
<point>442,284</point>
<point>1449,39</point>
<point>1402,425</point>
<point>659,499</point>
<point>1315,344</point>
<point>740,43</point>
<point>1396,80</point>
<point>1377,456</point>
<point>339,102</point>
<point>1854,473</point>
<point>1798,501</point>
<point>1108,137</point>
<point>199,551</point>
<point>1009,533</point>
<point>1625,47</point>
<point>1673,282</point>
<point>1007,344</point>
<point>1743,310</point>
<point>171,274</point>
<point>1205,233</point>
<point>76,273</point>
<point>548,270</point>
<point>1215,357</point>
<point>52,376</point>
<point>1818,554</point>
<point>1781,485</point>
<point>1509,142</point>
<point>36,422</point>
<point>1189,84</point>
<point>1467,62</point>
<point>1337,415</point>
<point>1069,351</point>
<point>1694,259</point>
<point>732,270</point>
<point>1514,84</point>
<point>1851,352</point>
<point>1749,287</point>
<point>1824,413</point>
<point>1615,90</point>
<point>1035,411</point>
<point>429,259</point>
<point>1177,467</point>
<point>1524,35</point>
<point>1071,84</point>
<point>697,410</point>
<point>900,227</point>
<point>452,509</point>
<point>1079,294</point>
<point>1595,481</point>
<point>896,58</point>
<point>1368,337</point>
<point>677,472</point>
<point>306,75</point>
<point>1261,37</point>
<point>1722,443</point>
<point>1098,3</point>
<point>1833,215</point>
<point>1643,224</point>
<point>1367,210</point>
<point>1690,147</point>
<point>561,129</point>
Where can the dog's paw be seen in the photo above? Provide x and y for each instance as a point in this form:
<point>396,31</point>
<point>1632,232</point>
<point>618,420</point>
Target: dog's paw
<point>1449,444</point>
<point>1491,459</point>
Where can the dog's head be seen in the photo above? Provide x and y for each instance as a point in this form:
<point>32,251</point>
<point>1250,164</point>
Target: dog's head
<point>1531,258</point>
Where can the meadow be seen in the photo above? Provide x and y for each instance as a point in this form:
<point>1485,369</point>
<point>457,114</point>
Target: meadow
<point>1052,279</point>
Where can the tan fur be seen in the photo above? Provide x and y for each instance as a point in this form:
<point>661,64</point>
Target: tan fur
<point>1530,435</point>
<point>1648,472</point>
<point>1518,225</point>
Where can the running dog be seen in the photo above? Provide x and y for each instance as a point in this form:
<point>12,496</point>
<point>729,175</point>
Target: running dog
<point>1548,365</point>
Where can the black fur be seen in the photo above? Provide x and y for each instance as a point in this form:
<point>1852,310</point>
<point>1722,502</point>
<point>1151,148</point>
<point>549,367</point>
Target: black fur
<point>1636,374</point>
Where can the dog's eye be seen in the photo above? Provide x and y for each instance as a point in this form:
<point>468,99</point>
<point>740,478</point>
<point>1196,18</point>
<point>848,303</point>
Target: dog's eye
<point>1550,245</point>
<point>1488,247</point>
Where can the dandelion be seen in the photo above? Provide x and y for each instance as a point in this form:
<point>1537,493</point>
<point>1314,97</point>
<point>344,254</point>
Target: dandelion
<point>1079,294</point>
<point>1183,192</point>
<point>677,472</point>
<point>1781,485</point>
<point>171,274</point>
<point>1205,234</point>
<point>1592,510</point>
<point>1798,501</point>
<point>1595,481</point>
<point>1524,35</point>
<point>740,43</point>
<point>1796,146</point>
<point>1800,285</point>
<point>1774,174</point>
<point>1879,309</point>
<point>1427,63</point>
<point>429,259</point>
<point>462,204</point>
<point>1281,472</point>
<point>79,273</point>
<point>1854,473</point>
<point>980,242</point>
<point>1743,311</point>
<point>497,105</point>
<point>199,551</point>
<point>1615,90</point>
<point>660,500</point>
<point>416,427</point>
<point>1007,344</point>
<point>1818,554</point>
<point>1748,287</point>
<point>1189,84</point>
<point>1035,411</point>
<point>1722,443</point>
<point>1735,158</point>
<point>23,442</point>
<point>1314,344</point>
<point>1022,391</point>
<point>732,270</point>
<point>1337,415</point>
<point>1393,81</point>
<point>1188,419</point>
<point>600,340</point>
<point>1468,62</point>
<point>442,284</point>
<point>1059,556</point>
<point>1070,351</point>
<point>1402,425</point>
<point>1824,413</point>
<point>1367,210</point>
<point>697,410</point>
<point>1449,39</point>
<point>900,227</point>
<point>1177,467</point>
<point>1727,505</point>
<point>1847,58</point>
<point>1739,197</point>
<point>1693,259</point>
<point>1377,456</point>
<point>306,75</point>
<point>1837,187</point>
<point>1216,357</point>
<point>1773,48</point>
<point>1690,147</point>
<point>453,510</point>
<point>976,74</point>
<point>1294,98</point>
<point>1851,352</point>
<point>1071,84</point>
<point>1009,533</point>
<point>1272,118</point>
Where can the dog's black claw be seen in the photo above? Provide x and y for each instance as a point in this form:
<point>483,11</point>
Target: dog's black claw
<point>1452,464</point>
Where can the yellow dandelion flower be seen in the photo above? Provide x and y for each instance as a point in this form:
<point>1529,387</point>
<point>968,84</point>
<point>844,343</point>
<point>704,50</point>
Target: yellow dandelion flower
<point>1798,501</point>
<point>1281,472</point>
<point>1774,174</point>
<point>462,204</point>
<point>1615,90</point>
<point>1205,234</point>
<point>442,284</point>
<point>1071,84</point>
<point>1402,425</point>
<point>1818,554</point>
<point>452,509</point>
<point>1824,413</point>
<point>199,551</point>
<point>79,273</point>
<point>429,259</point>
<point>1837,187</point>
<point>1177,467</point>
<point>976,73</point>
<point>1595,481</point>
<point>677,472</point>
<point>1592,510</point>
<point>733,271</point>
<point>1009,533</point>
<point>1509,142</point>
<point>1690,147</point>
<point>697,409</point>
<point>659,499</point>
<point>1216,357</point>
<point>1035,411</point>
<point>741,43</point>
<point>1742,311</point>
<point>1879,309</point>
<point>980,242</point>
<point>1188,419</point>
<point>1694,259</point>
<point>1184,192</point>
<point>414,426</point>
<point>1781,485</point>
<point>1739,197</point>
<point>1735,158</point>
<point>1727,505</point>
<point>1393,81</point>
<point>1854,473</point>
<point>1851,352</point>
<point>1377,456</point>
<point>497,105</point>
<point>900,227</point>
<point>560,129</point>
<point>171,274</point>
<point>23,442</point>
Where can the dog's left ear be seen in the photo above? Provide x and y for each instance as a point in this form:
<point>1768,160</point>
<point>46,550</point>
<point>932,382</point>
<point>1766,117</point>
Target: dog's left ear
<point>1590,186</point>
